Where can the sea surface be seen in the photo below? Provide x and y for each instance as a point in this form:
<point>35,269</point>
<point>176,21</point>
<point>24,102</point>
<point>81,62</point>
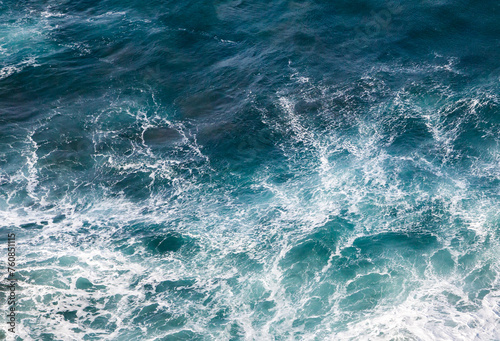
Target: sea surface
<point>251,170</point>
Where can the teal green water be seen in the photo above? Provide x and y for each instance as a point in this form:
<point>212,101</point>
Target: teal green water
<point>234,170</point>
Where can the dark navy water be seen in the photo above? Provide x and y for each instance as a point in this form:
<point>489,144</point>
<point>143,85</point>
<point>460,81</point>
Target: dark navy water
<point>252,170</point>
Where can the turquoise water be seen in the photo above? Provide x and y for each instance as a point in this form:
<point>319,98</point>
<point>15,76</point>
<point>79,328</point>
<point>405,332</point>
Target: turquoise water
<point>251,170</point>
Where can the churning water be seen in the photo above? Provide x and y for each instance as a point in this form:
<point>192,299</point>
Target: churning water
<point>252,170</point>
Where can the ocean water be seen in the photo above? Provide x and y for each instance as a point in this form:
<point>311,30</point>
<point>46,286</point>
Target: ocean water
<point>251,170</point>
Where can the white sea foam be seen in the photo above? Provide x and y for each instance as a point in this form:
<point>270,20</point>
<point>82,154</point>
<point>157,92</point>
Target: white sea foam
<point>355,177</point>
